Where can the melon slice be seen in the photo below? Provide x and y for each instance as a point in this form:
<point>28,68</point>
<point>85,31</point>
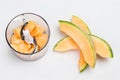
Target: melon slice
<point>81,38</point>
<point>80,23</point>
<point>81,63</point>
<point>103,49</point>
<point>65,44</point>
<point>41,40</point>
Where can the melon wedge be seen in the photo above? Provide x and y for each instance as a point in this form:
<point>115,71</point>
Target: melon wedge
<point>103,49</point>
<point>80,23</point>
<point>81,63</point>
<point>65,44</point>
<point>81,38</point>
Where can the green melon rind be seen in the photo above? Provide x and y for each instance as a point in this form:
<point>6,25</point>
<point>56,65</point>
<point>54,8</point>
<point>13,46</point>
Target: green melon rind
<point>84,23</point>
<point>59,42</point>
<point>87,36</point>
<point>109,47</point>
<point>84,67</point>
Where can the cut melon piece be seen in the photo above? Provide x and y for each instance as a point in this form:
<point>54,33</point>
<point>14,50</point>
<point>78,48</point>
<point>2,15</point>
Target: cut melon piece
<point>80,23</point>
<point>15,40</point>
<point>81,38</point>
<point>15,46</point>
<point>31,49</point>
<point>103,49</point>
<point>81,63</point>
<point>41,40</point>
<point>65,44</point>
<point>24,47</point>
<point>16,32</point>
<point>37,31</point>
<point>30,26</point>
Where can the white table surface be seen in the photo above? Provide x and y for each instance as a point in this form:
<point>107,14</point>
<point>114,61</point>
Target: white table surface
<point>102,16</point>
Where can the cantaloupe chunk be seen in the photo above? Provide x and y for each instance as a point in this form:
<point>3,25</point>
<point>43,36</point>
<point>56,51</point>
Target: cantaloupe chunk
<point>81,38</point>
<point>38,30</point>
<point>41,40</point>
<point>15,39</point>
<point>17,32</point>
<point>24,47</point>
<point>30,26</point>
<point>31,49</point>
<point>15,46</point>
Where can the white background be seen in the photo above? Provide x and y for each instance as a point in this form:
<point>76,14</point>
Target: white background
<point>103,18</point>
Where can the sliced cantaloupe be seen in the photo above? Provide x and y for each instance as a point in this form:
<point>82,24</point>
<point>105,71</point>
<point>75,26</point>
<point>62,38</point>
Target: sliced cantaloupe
<point>103,49</point>
<point>65,44</point>
<point>81,63</point>
<point>38,30</point>
<point>70,44</point>
<point>80,23</point>
<point>81,38</point>
<point>41,40</point>
<point>17,32</point>
<point>30,26</point>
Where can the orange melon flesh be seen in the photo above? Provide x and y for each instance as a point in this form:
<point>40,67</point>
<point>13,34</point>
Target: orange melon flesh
<point>65,44</point>
<point>41,40</point>
<point>23,47</point>
<point>103,49</point>
<point>83,41</point>
<point>81,63</point>
<point>15,39</point>
<point>30,50</point>
<point>80,23</point>
<point>30,26</point>
<point>17,32</point>
<point>38,30</point>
